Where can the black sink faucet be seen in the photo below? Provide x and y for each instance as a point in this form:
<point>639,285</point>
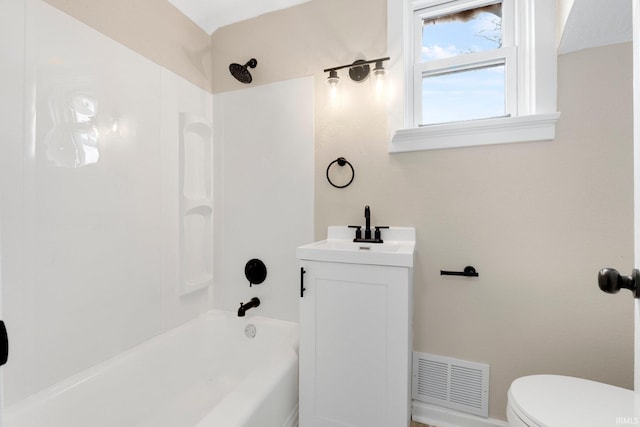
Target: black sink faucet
<point>367,230</point>
<point>367,220</point>
<point>244,307</point>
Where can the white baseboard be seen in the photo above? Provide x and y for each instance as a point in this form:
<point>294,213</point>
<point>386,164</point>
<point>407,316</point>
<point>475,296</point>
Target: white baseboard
<point>443,417</point>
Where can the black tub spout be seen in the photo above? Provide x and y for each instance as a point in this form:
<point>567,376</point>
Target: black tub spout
<point>244,307</point>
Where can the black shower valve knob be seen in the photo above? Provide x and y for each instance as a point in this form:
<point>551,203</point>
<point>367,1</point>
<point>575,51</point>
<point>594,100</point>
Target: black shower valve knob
<point>255,271</point>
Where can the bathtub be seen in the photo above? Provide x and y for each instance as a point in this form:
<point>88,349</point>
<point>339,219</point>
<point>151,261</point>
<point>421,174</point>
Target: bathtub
<point>205,373</point>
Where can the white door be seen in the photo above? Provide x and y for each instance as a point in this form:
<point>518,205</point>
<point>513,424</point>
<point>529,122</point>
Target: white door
<point>610,280</point>
<point>636,175</point>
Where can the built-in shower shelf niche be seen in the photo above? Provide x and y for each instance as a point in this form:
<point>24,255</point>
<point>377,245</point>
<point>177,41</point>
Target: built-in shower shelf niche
<point>196,203</point>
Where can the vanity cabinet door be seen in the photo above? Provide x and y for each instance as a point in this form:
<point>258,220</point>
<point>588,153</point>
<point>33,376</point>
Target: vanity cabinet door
<point>355,345</point>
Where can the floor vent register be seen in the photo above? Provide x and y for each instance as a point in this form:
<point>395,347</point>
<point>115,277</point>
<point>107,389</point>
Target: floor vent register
<point>451,383</point>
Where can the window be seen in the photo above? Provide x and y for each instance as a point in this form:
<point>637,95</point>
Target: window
<point>473,71</point>
<point>464,58</point>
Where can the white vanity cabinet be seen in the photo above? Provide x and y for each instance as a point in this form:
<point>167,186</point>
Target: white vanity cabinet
<point>356,332</point>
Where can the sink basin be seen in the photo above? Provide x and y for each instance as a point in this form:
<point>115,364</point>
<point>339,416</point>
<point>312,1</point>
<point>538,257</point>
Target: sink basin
<point>397,249</point>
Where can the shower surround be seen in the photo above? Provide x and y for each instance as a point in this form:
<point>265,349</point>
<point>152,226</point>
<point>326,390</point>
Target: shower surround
<point>90,234</point>
<point>116,179</point>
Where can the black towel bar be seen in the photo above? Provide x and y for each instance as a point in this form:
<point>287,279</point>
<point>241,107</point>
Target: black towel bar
<point>469,271</point>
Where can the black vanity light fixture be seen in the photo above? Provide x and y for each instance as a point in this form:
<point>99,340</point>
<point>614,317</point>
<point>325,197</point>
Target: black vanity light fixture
<point>358,71</point>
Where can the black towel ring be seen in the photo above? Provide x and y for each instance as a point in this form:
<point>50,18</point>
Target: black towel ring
<point>341,162</point>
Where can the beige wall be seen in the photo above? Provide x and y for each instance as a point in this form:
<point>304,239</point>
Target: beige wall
<point>300,41</point>
<point>155,29</point>
<point>537,220</point>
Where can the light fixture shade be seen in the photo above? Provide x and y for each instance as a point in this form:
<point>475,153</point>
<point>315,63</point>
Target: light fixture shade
<point>333,90</point>
<point>379,71</point>
<point>379,82</point>
<point>333,78</point>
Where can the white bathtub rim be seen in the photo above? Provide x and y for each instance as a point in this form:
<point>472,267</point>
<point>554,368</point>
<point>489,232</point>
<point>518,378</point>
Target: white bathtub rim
<point>73,381</point>
<point>277,366</point>
<point>91,372</point>
<point>252,390</point>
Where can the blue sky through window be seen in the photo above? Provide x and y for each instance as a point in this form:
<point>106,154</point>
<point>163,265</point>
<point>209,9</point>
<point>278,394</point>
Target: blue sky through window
<point>465,95</point>
<point>472,93</point>
<point>452,35</point>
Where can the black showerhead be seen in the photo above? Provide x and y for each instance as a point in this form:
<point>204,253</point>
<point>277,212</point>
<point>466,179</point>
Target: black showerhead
<point>241,72</point>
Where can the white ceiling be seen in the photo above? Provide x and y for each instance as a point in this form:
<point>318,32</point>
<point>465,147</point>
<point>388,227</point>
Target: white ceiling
<point>593,23</point>
<point>590,23</point>
<point>213,14</point>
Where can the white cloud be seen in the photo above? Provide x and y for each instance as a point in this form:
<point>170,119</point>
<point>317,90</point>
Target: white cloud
<point>438,52</point>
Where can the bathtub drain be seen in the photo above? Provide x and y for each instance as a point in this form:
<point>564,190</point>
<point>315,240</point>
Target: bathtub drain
<point>250,330</point>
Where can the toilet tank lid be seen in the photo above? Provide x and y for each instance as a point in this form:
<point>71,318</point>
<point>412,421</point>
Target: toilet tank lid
<point>561,401</point>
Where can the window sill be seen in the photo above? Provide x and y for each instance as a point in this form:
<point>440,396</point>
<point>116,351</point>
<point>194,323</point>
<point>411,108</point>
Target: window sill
<point>503,130</point>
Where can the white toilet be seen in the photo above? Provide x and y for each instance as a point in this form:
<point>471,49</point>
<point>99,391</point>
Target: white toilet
<point>559,401</point>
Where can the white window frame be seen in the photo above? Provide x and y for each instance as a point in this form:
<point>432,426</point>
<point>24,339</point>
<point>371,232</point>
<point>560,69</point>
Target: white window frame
<point>505,55</point>
<point>530,41</point>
